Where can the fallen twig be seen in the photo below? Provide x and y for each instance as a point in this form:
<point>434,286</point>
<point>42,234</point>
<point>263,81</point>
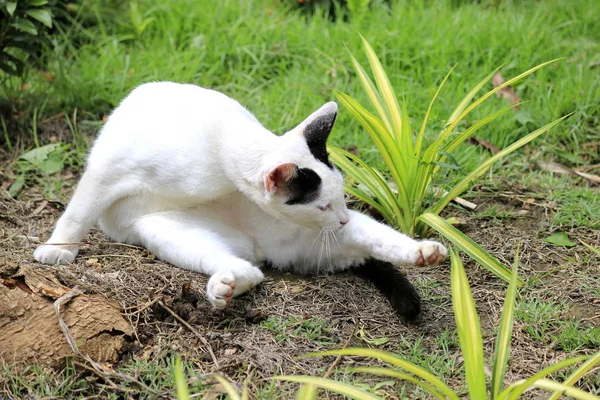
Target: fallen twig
<point>338,358</point>
<point>194,331</point>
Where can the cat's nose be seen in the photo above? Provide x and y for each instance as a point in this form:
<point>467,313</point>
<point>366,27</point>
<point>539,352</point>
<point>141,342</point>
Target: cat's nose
<point>342,223</point>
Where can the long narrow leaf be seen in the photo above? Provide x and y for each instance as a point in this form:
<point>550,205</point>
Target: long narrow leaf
<point>467,99</point>
<point>565,389</point>
<point>481,169</point>
<point>388,372</point>
<point>464,243</point>
<point>334,386</point>
<point>387,93</point>
<point>502,348</point>
<point>468,327</point>
<point>516,389</point>
<point>383,141</point>
<point>231,391</point>
<point>428,113</point>
<point>307,392</point>
<point>372,93</point>
<point>476,103</point>
<point>367,176</point>
<point>180,383</point>
<point>578,373</point>
<point>395,361</point>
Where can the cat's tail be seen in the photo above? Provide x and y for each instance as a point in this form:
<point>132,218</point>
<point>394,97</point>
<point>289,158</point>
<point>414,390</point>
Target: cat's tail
<point>393,284</point>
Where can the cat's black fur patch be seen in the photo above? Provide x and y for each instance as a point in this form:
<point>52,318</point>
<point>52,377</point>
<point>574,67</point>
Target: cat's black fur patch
<point>303,187</point>
<point>316,134</point>
<point>394,285</point>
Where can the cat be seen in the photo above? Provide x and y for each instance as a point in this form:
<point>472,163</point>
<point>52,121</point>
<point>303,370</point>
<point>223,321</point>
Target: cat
<point>191,175</point>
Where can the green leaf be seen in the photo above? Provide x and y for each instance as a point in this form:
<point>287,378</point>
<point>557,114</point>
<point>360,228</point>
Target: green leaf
<point>42,15</point>
<point>565,389</point>
<point>180,383</point>
<point>468,327</point>
<point>388,372</point>
<point>481,169</point>
<point>578,373</point>
<point>16,187</point>
<point>466,244</point>
<point>394,360</point>
<point>48,158</point>
<point>502,348</point>
<point>334,386</point>
<point>231,391</point>
<point>517,388</point>
<point>37,3</point>
<point>25,26</point>
<point>11,6</point>
<point>307,392</point>
<point>559,239</point>
<point>592,248</point>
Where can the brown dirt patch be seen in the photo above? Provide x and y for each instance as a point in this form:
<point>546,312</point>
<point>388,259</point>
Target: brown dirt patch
<point>245,347</point>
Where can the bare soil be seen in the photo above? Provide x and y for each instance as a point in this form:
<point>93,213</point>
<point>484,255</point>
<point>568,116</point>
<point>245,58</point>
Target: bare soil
<point>150,291</point>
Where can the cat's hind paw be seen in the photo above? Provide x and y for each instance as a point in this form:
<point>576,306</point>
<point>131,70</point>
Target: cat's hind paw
<point>430,253</point>
<point>220,289</point>
<point>52,255</point>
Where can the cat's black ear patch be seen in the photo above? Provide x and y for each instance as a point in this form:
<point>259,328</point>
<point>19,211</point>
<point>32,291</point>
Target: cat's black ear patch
<point>317,131</point>
<point>303,187</point>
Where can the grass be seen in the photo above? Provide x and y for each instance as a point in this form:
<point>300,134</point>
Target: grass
<point>282,64</point>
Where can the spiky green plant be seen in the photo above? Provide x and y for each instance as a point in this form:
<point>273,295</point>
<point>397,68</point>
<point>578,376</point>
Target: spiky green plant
<point>471,345</point>
<point>412,165</point>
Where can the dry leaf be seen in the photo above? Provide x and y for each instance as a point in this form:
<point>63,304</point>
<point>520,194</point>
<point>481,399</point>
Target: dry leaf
<point>590,177</point>
<point>485,144</point>
<point>508,93</point>
<point>554,167</point>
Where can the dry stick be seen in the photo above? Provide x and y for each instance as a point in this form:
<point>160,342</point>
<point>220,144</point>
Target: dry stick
<point>194,331</point>
<point>100,370</point>
<point>338,358</point>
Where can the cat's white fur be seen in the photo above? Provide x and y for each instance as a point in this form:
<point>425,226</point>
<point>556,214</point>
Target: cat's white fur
<point>184,171</point>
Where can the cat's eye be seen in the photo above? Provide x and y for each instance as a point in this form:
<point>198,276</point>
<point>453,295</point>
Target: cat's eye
<point>325,207</point>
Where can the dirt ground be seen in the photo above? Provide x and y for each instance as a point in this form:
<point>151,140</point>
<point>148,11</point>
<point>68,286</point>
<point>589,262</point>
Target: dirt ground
<point>150,291</point>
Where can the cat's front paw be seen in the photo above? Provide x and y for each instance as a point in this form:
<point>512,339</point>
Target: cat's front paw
<point>430,253</point>
<point>220,289</point>
<point>52,255</point>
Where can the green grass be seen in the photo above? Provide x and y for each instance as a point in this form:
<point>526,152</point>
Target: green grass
<point>550,323</point>
<point>314,330</point>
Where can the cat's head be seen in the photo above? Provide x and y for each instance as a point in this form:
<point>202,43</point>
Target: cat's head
<point>303,186</point>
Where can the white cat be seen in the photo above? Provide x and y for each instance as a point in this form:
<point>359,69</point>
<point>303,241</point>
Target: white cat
<point>192,175</point>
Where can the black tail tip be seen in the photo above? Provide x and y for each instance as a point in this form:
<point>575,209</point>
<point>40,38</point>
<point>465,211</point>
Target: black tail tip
<point>394,285</point>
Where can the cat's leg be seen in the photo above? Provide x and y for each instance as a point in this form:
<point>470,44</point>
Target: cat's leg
<point>384,243</point>
<point>201,243</point>
<point>95,192</point>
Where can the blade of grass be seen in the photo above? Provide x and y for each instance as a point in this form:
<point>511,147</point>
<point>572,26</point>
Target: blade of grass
<point>328,384</point>
<point>395,361</point>
<point>502,347</point>
<point>464,243</point>
<point>381,371</point>
<point>468,327</point>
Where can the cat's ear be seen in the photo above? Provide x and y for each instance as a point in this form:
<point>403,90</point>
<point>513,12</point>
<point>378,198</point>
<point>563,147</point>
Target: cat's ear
<point>279,176</point>
<point>316,129</point>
